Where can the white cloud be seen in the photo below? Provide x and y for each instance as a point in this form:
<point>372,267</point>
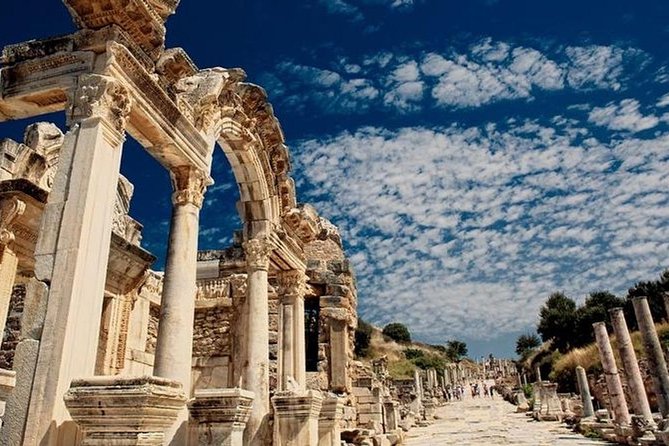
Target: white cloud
<point>622,116</point>
<point>488,73</point>
<point>465,231</point>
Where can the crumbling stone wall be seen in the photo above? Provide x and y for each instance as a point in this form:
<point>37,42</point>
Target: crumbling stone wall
<point>211,331</point>
<point>332,281</point>
<point>12,332</point>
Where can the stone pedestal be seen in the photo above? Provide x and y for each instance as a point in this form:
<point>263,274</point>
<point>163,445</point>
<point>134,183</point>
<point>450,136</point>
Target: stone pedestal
<point>584,390</point>
<point>551,409</point>
<point>296,418</point>
<point>430,406</point>
<point>632,372</point>
<point>332,411</point>
<point>619,408</point>
<point>116,410</point>
<point>654,354</point>
<point>219,416</point>
<point>7,383</point>
<point>391,415</point>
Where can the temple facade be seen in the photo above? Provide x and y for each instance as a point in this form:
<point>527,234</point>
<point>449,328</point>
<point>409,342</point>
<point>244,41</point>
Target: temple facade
<point>248,345</point>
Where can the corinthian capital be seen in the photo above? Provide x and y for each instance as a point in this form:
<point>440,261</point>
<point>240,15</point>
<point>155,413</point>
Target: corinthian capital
<point>292,283</point>
<point>10,210</point>
<point>102,97</point>
<point>257,252</point>
<point>189,185</point>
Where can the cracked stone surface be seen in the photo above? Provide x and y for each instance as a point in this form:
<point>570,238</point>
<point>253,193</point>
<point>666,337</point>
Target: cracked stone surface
<point>488,422</point>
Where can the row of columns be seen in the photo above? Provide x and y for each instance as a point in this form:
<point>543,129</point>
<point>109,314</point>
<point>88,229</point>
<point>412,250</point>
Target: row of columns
<point>655,356</point>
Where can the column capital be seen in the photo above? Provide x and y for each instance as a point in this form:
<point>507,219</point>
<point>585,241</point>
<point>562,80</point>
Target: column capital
<point>258,251</point>
<point>292,283</point>
<point>10,210</point>
<point>189,185</point>
<point>98,96</point>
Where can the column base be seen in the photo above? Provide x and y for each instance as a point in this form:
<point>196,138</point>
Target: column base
<point>123,410</point>
<point>219,416</point>
<point>7,384</point>
<point>332,411</point>
<point>550,408</point>
<point>296,418</point>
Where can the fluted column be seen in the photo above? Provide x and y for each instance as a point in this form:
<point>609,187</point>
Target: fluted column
<point>255,369</point>
<point>632,372</point>
<point>72,250</point>
<point>619,407</point>
<point>584,390</point>
<point>174,345</point>
<point>654,354</point>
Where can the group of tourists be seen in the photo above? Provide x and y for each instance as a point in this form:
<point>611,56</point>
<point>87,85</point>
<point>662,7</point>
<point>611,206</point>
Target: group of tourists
<point>481,390</point>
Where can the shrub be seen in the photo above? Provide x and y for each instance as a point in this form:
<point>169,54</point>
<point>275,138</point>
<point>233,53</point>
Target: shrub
<point>397,332</point>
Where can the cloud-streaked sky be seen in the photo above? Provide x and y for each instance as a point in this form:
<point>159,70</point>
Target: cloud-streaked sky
<point>477,155</point>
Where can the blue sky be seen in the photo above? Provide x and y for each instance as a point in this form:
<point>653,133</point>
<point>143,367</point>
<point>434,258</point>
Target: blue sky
<point>477,155</point>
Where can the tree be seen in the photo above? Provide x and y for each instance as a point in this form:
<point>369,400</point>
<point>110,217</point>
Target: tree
<point>526,343</point>
<point>595,309</point>
<point>397,332</point>
<point>654,290</point>
<point>557,321</point>
<point>456,350</point>
<point>363,337</point>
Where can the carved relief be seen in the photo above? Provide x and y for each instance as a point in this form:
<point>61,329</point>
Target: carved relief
<point>292,283</point>
<point>258,251</point>
<point>189,185</point>
<point>101,96</point>
<point>9,210</point>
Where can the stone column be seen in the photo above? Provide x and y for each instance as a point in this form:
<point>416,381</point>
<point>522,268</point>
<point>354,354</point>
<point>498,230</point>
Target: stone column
<point>619,408</point>
<point>174,344</point>
<point>9,210</point>
<point>73,249</point>
<point>538,372</point>
<point>255,369</point>
<point>292,358</point>
<point>584,390</point>
<point>665,299</point>
<point>654,354</point>
<point>300,342</point>
<point>631,366</point>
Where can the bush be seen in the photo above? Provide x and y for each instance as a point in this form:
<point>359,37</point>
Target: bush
<point>413,353</point>
<point>401,369</point>
<point>425,360</point>
<point>363,337</point>
<point>397,332</point>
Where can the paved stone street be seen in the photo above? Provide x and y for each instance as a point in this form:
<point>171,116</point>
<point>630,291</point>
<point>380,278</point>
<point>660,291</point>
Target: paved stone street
<point>492,422</point>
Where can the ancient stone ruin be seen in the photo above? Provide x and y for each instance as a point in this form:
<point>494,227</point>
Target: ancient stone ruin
<point>251,344</point>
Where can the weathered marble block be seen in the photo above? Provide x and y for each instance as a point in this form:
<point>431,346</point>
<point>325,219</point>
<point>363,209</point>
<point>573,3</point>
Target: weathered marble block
<point>331,414</point>
<point>124,410</point>
<point>219,416</point>
<point>296,417</point>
